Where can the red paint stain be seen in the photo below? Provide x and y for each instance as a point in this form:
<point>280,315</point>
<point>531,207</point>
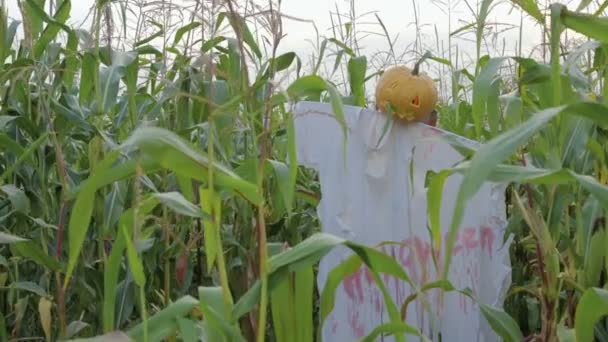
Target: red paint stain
<point>378,303</point>
<point>355,323</point>
<point>414,254</point>
<point>369,278</point>
<point>353,287</point>
<point>487,236</point>
<point>468,238</point>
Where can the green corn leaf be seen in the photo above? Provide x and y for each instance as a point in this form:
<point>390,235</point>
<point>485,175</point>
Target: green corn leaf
<point>10,145</point>
<point>110,279</point>
<point>463,28</point>
<point>556,80</point>
<point>31,16</point>
<point>342,46</point>
<point>87,84</point>
<point>283,61</point>
<point>483,89</point>
<point>489,155</point>
<point>282,174</point>
<point>23,154</point>
<point>393,328</point>
<point>6,238</point>
<point>309,252</point>
<point>483,163</point>
<point>592,306</point>
<point>589,25</point>
<point>178,203</point>
<point>81,213</point>
<point>16,197</point>
<point>135,264</point>
<point>308,87</point>
<point>277,64</point>
<point>7,34</point>
<point>186,187</point>
<point>211,43</point>
<point>239,24</point>
<point>304,302</point>
<point>163,324</point>
<point>114,336</point>
<point>183,30</point>
<point>71,59</point>
<point>113,265</point>
<point>357,66</point>
<point>312,86</point>
<point>595,255</point>
<point>212,247</point>
<point>531,7</point>
<point>503,324</point>
<point>482,16</point>
<point>109,78</point>
<point>54,25</point>
<point>320,58</point>
<point>123,170</point>
<point>187,329</point>
<point>293,162</point>
<point>565,334</point>
<point>150,38</point>
<point>31,250</point>
<point>29,287</point>
<point>350,266</point>
<point>434,198</point>
<point>282,310</point>
<point>174,153</point>
<point>532,175</point>
<point>114,205</point>
<point>582,5</point>
<point>214,312</point>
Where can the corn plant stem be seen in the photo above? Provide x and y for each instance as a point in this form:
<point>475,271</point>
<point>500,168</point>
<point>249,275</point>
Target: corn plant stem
<point>222,268</point>
<point>123,298</point>
<point>601,9</point>
<point>136,233</point>
<point>216,221</point>
<point>262,244</point>
<point>62,173</point>
<point>547,304</point>
<point>167,266</point>
<point>199,244</point>
<point>264,153</point>
<point>262,240</point>
<point>605,85</point>
<point>261,224</point>
<point>60,290</point>
<point>221,263</point>
<point>98,96</point>
<point>142,299</point>
<point>263,260</point>
<point>555,66</point>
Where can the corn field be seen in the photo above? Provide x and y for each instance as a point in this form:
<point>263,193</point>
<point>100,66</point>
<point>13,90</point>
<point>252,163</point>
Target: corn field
<point>150,190</point>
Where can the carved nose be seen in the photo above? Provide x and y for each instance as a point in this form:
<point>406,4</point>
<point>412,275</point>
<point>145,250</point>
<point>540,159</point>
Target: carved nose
<point>416,101</point>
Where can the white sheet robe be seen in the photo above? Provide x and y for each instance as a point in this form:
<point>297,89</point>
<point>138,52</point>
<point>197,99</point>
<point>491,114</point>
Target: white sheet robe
<point>370,199</point>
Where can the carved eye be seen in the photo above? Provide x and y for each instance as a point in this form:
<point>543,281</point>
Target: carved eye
<point>416,101</point>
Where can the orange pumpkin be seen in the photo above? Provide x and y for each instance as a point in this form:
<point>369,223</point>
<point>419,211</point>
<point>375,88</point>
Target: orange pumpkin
<point>412,96</point>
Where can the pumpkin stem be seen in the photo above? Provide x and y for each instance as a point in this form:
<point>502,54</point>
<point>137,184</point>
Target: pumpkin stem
<point>416,70</point>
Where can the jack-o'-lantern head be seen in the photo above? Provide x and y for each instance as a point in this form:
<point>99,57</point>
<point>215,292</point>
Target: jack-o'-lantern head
<point>412,96</point>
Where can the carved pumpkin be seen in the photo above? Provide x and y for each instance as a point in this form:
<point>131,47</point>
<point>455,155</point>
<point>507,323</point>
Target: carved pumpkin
<point>412,96</point>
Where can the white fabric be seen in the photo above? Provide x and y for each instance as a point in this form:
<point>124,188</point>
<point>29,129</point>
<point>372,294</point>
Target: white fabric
<point>369,199</point>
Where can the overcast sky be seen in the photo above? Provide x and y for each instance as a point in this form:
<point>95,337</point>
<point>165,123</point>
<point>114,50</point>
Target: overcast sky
<point>397,15</point>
